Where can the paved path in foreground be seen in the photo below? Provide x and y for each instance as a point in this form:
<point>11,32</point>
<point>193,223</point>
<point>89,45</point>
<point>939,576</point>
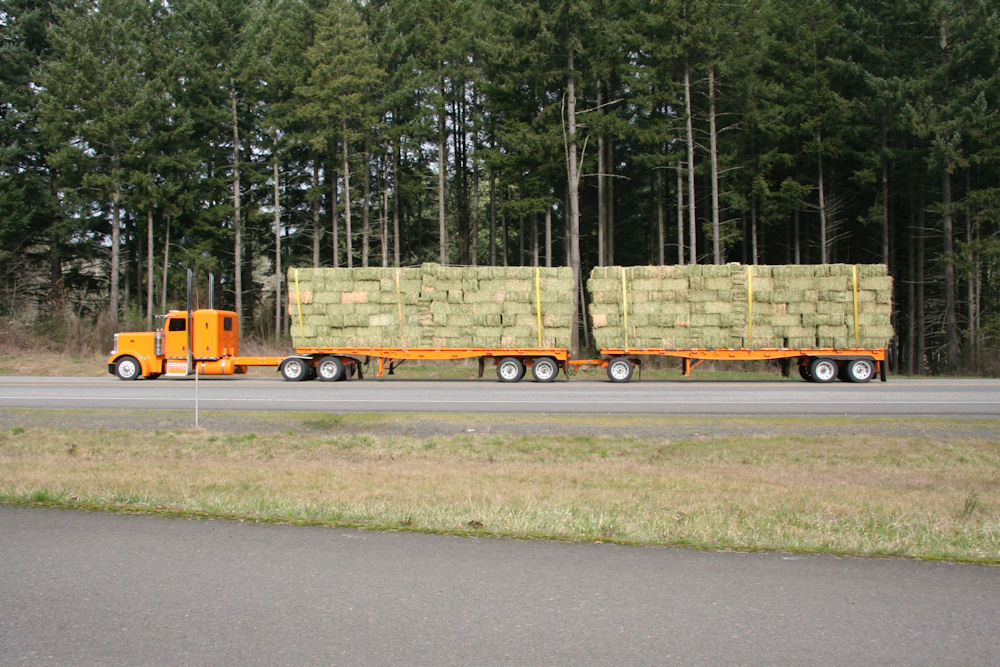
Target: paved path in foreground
<point>81,588</point>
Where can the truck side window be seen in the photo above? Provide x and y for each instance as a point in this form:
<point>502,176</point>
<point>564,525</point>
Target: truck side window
<point>227,324</point>
<point>177,324</point>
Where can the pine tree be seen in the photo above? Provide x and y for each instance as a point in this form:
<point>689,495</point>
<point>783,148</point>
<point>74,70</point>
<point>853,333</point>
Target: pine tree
<point>97,100</point>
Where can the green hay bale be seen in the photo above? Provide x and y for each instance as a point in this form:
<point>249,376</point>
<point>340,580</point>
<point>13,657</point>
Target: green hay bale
<point>785,320</point>
<point>872,270</point>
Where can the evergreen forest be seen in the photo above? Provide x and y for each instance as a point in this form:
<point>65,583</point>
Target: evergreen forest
<point>142,138</point>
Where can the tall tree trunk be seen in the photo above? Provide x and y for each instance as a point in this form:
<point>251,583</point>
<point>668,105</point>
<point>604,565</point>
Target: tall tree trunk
<point>237,223</point>
<point>885,199</point>
<point>823,242</point>
<point>442,172</point>
<point>911,294</point>
<point>365,207</point>
<point>277,239</point>
<point>574,203</point>
<point>970,283</point>
<point>317,225</point>
<point>661,217</point>
<point>166,264</point>
<point>755,250</point>
<point>548,236</point>
<point>348,240</point>
<point>475,176</point>
<point>921,345</point>
<point>149,270</point>
<point>714,150</point>
<point>505,232</point>
<point>334,198</point>
<point>798,234</point>
<point>384,224</point>
<point>520,240</point>
<point>475,211</point>
<point>680,213</point>
<point>692,217</point>
<point>609,209</point>
<point>602,194</point>
<point>493,207</point>
<point>535,255</point>
<point>116,221</point>
<point>395,206</point>
<point>947,231</point>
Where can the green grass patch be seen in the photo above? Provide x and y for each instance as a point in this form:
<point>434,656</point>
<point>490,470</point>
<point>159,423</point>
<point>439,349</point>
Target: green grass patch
<point>801,485</point>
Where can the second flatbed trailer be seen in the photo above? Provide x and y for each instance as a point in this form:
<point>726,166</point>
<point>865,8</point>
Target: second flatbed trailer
<point>814,364</point>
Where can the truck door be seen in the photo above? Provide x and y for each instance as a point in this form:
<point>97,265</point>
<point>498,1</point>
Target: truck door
<point>175,337</point>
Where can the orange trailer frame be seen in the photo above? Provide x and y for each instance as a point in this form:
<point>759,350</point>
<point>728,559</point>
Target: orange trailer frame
<point>388,358</point>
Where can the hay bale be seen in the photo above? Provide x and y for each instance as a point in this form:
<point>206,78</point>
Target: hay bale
<point>699,306</point>
<point>361,307</point>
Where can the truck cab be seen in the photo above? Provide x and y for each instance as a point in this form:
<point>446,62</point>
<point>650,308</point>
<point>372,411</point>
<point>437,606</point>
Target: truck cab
<point>203,341</point>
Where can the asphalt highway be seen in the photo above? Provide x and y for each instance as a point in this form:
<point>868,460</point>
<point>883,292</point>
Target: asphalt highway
<point>937,397</point>
<point>82,588</point>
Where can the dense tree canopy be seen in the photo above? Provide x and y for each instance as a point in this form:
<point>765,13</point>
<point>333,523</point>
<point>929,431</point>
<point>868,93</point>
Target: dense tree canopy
<point>139,138</point>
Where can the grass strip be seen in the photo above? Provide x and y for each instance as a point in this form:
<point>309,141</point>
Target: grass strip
<point>934,497</point>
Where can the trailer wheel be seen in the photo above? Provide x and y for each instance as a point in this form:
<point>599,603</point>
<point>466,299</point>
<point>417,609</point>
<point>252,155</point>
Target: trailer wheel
<point>620,369</point>
<point>330,369</point>
<point>510,369</point>
<point>544,369</point>
<point>860,370</point>
<point>824,370</point>
<point>127,368</point>
<point>294,369</point>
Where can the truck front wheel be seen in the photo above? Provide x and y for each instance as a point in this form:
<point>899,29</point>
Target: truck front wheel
<point>127,368</point>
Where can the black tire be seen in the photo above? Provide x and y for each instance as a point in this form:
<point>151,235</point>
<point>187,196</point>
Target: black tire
<point>294,369</point>
<point>860,370</point>
<point>127,368</point>
<point>804,372</point>
<point>510,369</point>
<point>544,369</point>
<point>824,370</point>
<point>330,369</point>
<point>620,369</point>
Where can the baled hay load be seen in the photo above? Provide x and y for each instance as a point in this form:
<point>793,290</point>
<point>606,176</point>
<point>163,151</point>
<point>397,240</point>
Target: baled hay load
<point>431,306</point>
<point>743,307</point>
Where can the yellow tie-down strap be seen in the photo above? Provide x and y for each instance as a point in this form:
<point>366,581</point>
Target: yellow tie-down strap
<point>538,302</point>
<point>857,331</point>
<point>749,307</point>
<point>298,305</point>
<point>399,311</point>
<point>625,310</point>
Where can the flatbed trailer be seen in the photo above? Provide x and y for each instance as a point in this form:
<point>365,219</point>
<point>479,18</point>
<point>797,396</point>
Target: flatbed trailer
<point>332,364</point>
<point>814,364</point>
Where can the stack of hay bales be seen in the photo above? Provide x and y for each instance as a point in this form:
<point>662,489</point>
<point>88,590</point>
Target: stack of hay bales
<point>735,306</point>
<point>431,306</point>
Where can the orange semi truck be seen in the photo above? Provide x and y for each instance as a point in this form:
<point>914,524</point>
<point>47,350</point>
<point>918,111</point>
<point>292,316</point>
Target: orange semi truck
<point>205,342</point>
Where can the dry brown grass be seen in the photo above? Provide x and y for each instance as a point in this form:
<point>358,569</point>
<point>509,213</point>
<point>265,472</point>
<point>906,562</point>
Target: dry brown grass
<point>921,497</point>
